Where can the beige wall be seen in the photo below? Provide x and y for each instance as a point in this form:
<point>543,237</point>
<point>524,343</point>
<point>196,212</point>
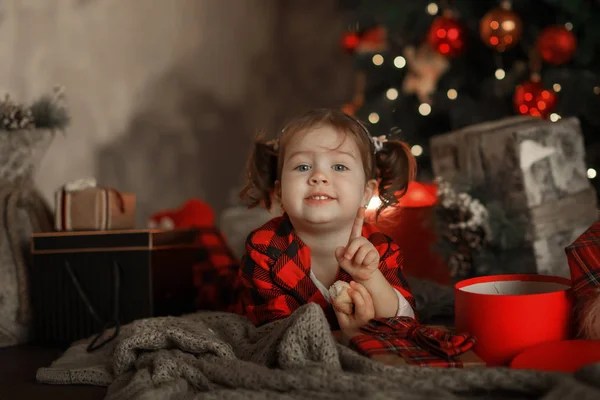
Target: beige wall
<point>166,95</point>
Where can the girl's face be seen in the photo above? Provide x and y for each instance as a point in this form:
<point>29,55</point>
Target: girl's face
<point>322,179</point>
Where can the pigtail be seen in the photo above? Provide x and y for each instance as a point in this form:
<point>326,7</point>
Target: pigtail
<point>261,174</point>
<point>396,167</point>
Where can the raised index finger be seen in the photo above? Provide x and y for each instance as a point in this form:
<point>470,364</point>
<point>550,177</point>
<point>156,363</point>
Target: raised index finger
<point>358,224</point>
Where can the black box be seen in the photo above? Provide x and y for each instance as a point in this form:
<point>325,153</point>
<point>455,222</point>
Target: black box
<point>85,282</point>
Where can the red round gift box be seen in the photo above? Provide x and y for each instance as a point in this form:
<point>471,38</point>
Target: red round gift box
<point>510,313</point>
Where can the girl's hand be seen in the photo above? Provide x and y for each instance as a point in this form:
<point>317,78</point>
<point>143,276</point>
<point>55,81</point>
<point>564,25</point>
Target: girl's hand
<point>364,311</point>
<point>359,258</point>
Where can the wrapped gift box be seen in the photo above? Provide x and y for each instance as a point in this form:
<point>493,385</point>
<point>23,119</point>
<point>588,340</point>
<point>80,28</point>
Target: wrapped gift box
<point>584,261</point>
<point>94,208</point>
<point>465,360</point>
<point>536,169</point>
<point>510,313</point>
<point>403,340</point>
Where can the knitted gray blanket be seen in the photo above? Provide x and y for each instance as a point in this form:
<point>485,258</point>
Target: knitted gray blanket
<point>211,355</point>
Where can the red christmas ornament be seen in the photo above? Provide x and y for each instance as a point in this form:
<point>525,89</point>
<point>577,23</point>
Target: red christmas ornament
<point>531,98</point>
<point>501,28</point>
<point>447,36</point>
<point>349,41</point>
<point>349,109</point>
<point>369,41</point>
<point>557,44</point>
<point>374,38</point>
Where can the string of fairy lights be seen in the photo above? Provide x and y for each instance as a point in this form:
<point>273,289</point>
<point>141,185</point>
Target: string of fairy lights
<point>425,108</point>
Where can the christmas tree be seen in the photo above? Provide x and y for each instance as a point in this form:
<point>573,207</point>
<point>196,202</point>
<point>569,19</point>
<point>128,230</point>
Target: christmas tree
<point>428,67</point>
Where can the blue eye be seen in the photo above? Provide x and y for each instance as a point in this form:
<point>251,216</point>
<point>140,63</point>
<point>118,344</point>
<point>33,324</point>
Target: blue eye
<point>339,167</point>
<point>302,168</point>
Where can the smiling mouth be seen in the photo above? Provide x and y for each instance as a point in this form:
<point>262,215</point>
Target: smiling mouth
<point>320,197</point>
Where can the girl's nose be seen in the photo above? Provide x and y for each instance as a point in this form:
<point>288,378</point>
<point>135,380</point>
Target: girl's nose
<point>318,178</point>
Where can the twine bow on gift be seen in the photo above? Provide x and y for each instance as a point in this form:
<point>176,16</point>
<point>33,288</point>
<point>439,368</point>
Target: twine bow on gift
<point>416,343</point>
<point>63,217</point>
<point>90,183</point>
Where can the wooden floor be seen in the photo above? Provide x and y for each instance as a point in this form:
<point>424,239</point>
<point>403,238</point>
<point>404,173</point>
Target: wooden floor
<point>18,366</point>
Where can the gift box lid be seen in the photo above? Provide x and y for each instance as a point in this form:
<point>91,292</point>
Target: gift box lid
<point>127,240</point>
<point>563,356</point>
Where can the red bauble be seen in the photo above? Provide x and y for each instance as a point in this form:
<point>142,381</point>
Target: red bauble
<point>501,28</point>
<point>369,41</point>
<point>349,109</point>
<point>350,41</point>
<point>531,98</point>
<point>557,44</point>
<point>447,36</point>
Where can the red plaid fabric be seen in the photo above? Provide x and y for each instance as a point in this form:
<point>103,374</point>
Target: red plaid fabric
<point>276,272</point>
<point>216,273</point>
<point>415,343</point>
<point>583,256</point>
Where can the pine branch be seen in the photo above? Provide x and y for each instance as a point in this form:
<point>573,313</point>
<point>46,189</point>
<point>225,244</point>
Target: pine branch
<point>48,114</point>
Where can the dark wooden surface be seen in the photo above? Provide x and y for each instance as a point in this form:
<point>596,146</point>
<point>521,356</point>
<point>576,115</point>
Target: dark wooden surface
<point>18,366</point>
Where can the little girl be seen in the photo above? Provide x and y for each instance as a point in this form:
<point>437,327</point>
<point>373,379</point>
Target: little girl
<point>323,170</point>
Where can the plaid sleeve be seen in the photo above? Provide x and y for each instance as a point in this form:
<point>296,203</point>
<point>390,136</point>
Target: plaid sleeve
<point>390,265</point>
<point>263,300</point>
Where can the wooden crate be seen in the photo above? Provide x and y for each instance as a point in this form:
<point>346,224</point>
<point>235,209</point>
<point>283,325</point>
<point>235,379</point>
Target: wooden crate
<point>537,169</point>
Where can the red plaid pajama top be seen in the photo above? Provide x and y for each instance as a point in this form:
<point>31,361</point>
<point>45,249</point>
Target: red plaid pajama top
<point>276,272</point>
